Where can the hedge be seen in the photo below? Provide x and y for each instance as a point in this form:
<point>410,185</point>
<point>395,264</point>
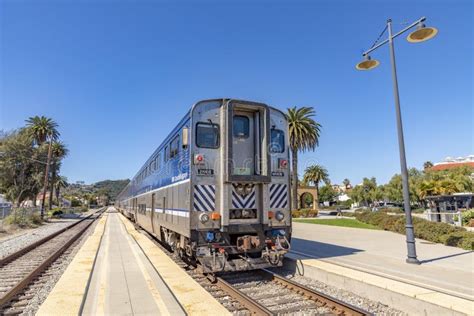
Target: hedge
<point>424,229</point>
<point>305,212</point>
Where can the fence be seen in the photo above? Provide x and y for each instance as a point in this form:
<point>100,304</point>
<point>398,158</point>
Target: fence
<point>5,211</point>
<point>445,217</point>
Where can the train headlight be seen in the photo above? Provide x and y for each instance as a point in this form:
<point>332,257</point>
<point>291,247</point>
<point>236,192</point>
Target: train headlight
<point>240,189</point>
<point>279,216</point>
<point>204,218</point>
<point>248,189</point>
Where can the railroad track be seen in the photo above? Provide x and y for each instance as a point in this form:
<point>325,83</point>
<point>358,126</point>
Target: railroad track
<point>19,270</point>
<point>262,292</point>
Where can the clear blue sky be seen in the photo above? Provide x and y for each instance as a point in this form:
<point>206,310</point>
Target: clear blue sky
<point>117,76</point>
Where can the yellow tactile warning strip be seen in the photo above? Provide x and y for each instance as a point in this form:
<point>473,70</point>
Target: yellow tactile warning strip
<point>67,295</point>
<point>194,299</point>
<point>451,302</point>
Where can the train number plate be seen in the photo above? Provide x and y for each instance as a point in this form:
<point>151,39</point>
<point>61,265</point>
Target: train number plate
<point>206,172</point>
<point>277,174</point>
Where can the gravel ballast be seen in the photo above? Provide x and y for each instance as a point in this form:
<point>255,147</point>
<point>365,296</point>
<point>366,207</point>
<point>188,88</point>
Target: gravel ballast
<point>21,240</point>
<point>364,303</point>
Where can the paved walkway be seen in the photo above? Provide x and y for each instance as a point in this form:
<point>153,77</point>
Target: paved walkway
<point>448,269</point>
<point>123,281</point>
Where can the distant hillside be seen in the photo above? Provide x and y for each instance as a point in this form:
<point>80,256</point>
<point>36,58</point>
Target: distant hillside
<point>110,187</point>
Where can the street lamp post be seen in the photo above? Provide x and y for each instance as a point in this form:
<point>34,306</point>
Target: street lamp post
<point>421,34</point>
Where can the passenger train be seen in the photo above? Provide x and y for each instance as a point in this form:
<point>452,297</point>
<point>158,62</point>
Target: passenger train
<point>217,189</point>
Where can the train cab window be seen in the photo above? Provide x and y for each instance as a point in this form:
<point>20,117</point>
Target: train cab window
<point>241,126</point>
<point>174,147</point>
<point>277,143</point>
<point>207,135</point>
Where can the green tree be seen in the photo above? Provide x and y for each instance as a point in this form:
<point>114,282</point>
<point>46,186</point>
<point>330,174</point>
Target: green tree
<point>427,165</point>
<point>59,151</point>
<point>304,134</point>
<point>18,170</point>
<point>43,129</point>
<point>346,183</point>
<point>327,193</point>
<point>316,174</point>
<point>60,183</point>
<point>365,192</point>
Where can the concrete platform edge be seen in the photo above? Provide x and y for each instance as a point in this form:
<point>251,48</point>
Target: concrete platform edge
<point>65,299</point>
<point>408,298</point>
<point>192,297</point>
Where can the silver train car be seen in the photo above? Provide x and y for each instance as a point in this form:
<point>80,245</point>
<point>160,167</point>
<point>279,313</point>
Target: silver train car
<point>217,189</point>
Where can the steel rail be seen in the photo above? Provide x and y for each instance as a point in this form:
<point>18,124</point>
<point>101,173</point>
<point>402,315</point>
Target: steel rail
<point>16,289</point>
<point>37,243</point>
<point>338,306</point>
<point>253,306</point>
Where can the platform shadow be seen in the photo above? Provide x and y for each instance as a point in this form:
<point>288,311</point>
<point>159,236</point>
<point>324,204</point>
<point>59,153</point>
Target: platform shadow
<point>446,257</point>
<point>302,249</point>
<point>314,249</point>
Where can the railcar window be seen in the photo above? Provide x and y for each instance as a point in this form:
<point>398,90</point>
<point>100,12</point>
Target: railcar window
<point>174,146</point>
<point>167,155</point>
<point>241,126</point>
<point>158,161</point>
<point>207,135</point>
<point>277,144</point>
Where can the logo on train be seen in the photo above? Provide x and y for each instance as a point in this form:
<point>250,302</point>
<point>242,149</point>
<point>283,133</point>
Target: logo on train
<point>179,177</point>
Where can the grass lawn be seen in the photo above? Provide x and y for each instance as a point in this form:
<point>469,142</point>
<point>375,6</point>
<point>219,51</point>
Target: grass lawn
<point>343,222</point>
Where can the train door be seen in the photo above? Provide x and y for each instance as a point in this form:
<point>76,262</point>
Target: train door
<point>153,213</point>
<point>135,209</point>
<point>243,143</point>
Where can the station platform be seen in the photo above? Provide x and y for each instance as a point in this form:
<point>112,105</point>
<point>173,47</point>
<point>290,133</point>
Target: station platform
<point>127,274</point>
<point>340,255</point>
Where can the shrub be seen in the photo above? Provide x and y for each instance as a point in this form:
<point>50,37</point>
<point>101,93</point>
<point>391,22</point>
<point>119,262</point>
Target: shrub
<point>424,229</point>
<point>305,212</point>
<point>459,239</point>
<point>432,231</point>
<point>390,210</point>
<point>296,213</point>
<point>23,218</point>
<point>56,212</point>
<point>75,203</point>
<point>348,214</point>
<point>467,216</point>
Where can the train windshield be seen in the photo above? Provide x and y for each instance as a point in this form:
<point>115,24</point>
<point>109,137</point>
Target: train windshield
<point>207,135</point>
<point>277,144</point>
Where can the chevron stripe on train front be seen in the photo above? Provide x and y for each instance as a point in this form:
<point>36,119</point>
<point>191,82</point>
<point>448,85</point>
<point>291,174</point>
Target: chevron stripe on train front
<point>205,197</point>
<point>278,195</point>
<point>239,201</point>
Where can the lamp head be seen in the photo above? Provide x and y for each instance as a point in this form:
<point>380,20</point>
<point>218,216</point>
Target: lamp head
<point>367,63</point>
<point>422,33</point>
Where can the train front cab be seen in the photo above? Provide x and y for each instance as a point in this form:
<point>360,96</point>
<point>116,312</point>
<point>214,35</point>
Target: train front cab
<point>240,215</point>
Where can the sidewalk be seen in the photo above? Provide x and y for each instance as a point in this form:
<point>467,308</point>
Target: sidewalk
<point>447,269</point>
<point>123,281</point>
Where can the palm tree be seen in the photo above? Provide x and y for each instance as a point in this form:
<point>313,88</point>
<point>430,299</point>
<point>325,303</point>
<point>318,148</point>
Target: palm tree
<point>315,174</point>
<point>346,183</point>
<point>304,135</point>
<point>43,129</point>
<point>60,183</point>
<point>59,151</point>
<point>427,165</point>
